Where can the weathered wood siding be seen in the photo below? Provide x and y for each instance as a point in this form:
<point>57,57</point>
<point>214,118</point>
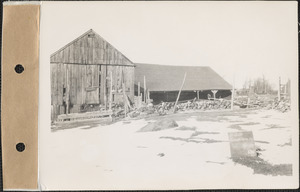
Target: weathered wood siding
<point>90,49</point>
<point>84,66</point>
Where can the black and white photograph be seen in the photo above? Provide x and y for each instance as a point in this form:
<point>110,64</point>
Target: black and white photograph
<point>168,95</point>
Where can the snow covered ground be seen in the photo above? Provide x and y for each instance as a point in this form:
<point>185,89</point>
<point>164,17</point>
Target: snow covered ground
<point>194,155</point>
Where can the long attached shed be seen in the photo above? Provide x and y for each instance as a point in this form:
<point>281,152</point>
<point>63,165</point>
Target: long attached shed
<point>164,82</point>
<point>84,71</point>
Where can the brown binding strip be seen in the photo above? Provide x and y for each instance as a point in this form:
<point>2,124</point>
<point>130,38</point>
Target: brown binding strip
<point>19,98</point>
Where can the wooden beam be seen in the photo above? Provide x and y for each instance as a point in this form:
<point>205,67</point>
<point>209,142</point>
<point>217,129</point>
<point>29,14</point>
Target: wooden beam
<point>124,99</point>
<point>179,92</point>
<point>141,99</point>
<point>138,104</point>
<point>145,90</point>
<point>249,94</point>
<point>148,95</point>
<point>139,89</point>
<point>285,89</point>
<point>105,87</point>
<point>289,90</point>
<point>67,91</point>
<point>232,95</point>
<point>128,103</point>
<point>83,89</point>
<point>279,87</point>
<point>110,93</point>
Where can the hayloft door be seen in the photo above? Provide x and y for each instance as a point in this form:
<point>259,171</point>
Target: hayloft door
<point>92,84</point>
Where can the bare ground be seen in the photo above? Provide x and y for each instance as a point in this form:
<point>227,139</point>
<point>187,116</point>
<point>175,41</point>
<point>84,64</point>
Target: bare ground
<point>197,148</point>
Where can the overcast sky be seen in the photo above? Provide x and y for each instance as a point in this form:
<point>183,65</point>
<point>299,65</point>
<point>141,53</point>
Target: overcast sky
<point>239,40</point>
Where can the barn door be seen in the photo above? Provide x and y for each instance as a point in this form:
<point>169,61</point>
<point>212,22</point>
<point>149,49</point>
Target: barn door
<point>92,84</point>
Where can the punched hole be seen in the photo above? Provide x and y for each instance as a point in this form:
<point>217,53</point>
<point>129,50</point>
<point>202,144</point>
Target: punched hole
<point>20,147</point>
<point>19,68</point>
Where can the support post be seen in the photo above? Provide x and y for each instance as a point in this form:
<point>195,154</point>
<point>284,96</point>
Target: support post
<point>249,95</point>
<point>285,89</point>
<point>148,95</point>
<point>248,102</point>
<point>289,90</point>
<point>124,99</point>
<point>110,91</point>
<point>138,104</point>
<point>179,92</point>
<point>198,95</point>
<point>141,98</point>
<point>82,90</point>
<point>139,89</point>
<point>232,94</point>
<point>279,90</point>
<point>105,88</point>
<point>214,92</point>
<point>67,91</point>
<point>145,89</point>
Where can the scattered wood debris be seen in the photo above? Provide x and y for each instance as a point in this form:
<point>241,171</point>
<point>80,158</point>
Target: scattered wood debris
<point>159,125</point>
<point>164,107</point>
<point>265,102</point>
<point>282,106</point>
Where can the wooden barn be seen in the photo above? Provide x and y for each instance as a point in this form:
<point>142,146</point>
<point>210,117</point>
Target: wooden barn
<point>87,74</point>
<point>164,81</point>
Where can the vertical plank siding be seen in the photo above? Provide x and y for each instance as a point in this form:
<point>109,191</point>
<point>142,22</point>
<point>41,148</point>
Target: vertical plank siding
<point>88,82</point>
<point>60,84</point>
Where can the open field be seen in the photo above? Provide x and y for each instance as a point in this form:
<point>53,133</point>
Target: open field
<point>195,154</point>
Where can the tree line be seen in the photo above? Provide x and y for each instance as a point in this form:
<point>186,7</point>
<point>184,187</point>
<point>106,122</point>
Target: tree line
<point>258,85</point>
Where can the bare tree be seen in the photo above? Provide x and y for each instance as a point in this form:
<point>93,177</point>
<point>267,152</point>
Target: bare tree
<point>259,85</point>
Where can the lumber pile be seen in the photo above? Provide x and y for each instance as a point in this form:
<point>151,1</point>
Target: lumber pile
<point>164,107</point>
<point>282,106</point>
<point>102,116</point>
<point>167,107</point>
<point>263,102</point>
<point>257,102</point>
<point>132,110</point>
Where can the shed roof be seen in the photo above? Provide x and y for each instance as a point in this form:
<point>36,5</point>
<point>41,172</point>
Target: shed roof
<point>169,78</point>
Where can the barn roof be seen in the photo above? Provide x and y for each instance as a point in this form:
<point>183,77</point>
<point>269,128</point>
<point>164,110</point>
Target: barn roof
<point>90,32</point>
<point>169,78</point>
